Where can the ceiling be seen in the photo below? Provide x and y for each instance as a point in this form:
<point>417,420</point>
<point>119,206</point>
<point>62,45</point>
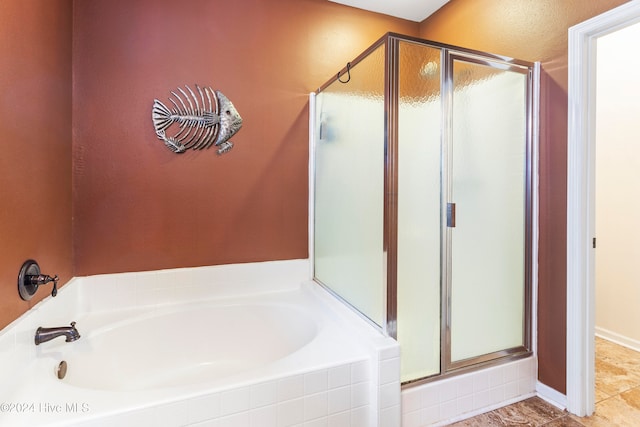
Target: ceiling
<point>413,10</point>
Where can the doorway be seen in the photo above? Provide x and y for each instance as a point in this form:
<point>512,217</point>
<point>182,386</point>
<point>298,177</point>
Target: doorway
<point>617,171</point>
<point>581,202</point>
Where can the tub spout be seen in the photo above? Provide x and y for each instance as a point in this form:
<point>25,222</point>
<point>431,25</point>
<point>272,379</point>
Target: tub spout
<point>47,334</point>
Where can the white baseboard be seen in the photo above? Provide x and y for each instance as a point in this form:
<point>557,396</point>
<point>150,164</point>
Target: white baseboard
<point>552,396</point>
<point>617,338</point>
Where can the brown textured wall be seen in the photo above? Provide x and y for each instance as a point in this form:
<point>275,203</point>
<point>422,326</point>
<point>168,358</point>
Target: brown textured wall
<point>35,162</point>
<point>534,31</point>
<point>137,206</point>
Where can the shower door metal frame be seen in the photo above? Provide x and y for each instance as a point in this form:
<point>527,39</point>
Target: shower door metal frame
<point>391,183</point>
<point>448,58</point>
<point>391,41</point>
<point>389,248</point>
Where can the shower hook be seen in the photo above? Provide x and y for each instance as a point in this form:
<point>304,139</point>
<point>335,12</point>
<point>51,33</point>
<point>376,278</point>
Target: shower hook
<point>348,74</point>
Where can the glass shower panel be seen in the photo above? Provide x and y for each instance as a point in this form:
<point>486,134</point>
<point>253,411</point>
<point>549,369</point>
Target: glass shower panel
<point>418,265</point>
<point>349,257</point>
<point>487,158</point>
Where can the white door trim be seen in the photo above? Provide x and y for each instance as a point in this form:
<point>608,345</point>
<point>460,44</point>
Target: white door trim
<point>581,201</point>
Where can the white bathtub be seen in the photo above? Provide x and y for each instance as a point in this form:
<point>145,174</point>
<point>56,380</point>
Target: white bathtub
<point>188,344</point>
<point>242,345</point>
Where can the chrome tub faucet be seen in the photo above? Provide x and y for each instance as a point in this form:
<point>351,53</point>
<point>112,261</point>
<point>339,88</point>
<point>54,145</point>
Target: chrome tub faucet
<point>47,334</point>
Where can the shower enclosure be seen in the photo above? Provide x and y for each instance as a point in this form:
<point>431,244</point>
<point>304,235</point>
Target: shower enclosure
<point>422,200</point>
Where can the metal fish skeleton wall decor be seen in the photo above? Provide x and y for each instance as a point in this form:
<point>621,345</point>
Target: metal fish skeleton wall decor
<point>203,119</point>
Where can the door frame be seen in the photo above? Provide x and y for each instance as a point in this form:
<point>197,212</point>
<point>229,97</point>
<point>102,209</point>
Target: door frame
<point>581,201</point>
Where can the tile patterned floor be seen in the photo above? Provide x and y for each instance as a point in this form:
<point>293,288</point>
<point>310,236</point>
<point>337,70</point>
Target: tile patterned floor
<point>617,398</point>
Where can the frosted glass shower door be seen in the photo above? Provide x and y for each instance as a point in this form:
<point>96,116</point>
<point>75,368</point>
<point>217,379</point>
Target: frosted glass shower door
<point>349,257</point>
<point>418,268</point>
<point>486,210</point>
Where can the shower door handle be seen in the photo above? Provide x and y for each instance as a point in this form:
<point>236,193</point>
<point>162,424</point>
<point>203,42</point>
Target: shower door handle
<point>451,215</point>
